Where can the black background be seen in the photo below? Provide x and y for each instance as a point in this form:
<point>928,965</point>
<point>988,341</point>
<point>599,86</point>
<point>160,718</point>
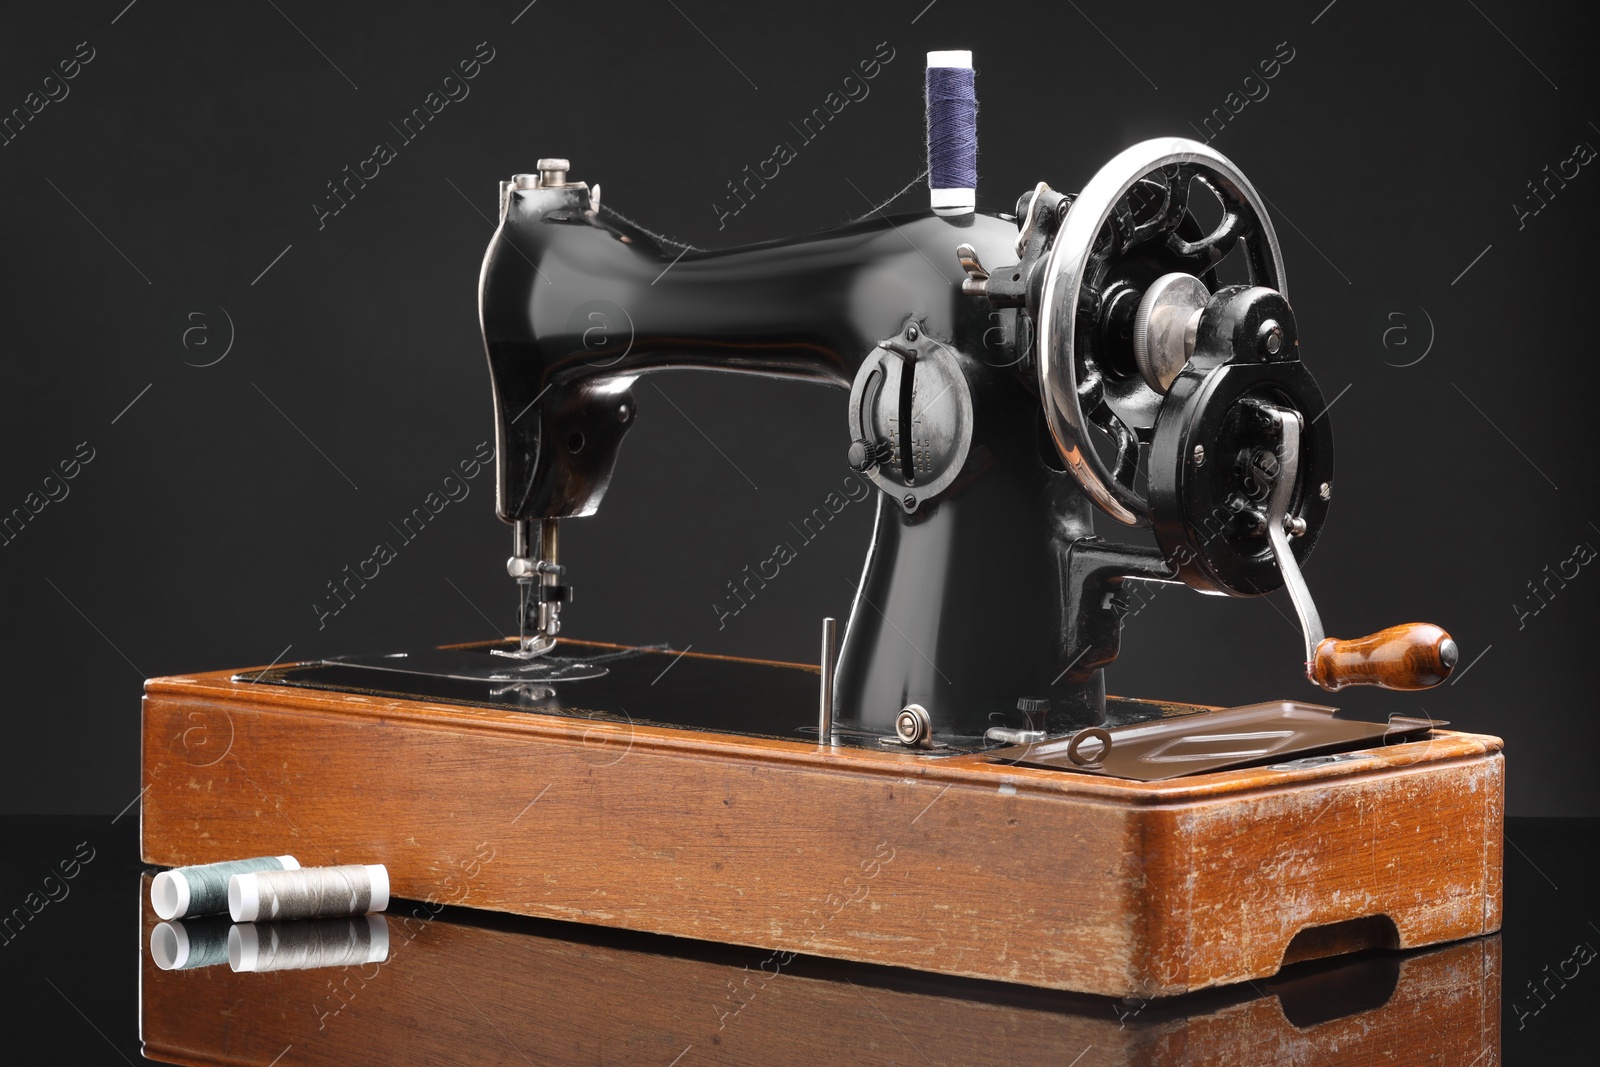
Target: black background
<point>191,149</point>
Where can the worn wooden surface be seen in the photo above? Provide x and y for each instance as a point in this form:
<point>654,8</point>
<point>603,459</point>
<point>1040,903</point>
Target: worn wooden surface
<point>952,865</point>
<point>531,992</point>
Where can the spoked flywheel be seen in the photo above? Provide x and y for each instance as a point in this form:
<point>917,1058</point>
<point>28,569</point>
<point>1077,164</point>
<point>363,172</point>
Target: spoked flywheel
<point>1129,270</point>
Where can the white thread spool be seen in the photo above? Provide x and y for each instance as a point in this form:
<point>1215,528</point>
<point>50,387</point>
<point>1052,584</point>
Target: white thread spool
<point>312,893</point>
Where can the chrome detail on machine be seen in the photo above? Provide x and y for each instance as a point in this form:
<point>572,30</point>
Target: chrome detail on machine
<point>1075,242</point>
<point>1164,328</point>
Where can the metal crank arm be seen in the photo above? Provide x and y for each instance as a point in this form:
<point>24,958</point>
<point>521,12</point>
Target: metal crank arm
<point>1413,655</point>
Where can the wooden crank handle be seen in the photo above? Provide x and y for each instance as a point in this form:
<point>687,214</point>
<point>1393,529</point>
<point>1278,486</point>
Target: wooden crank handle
<point>1413,655</point>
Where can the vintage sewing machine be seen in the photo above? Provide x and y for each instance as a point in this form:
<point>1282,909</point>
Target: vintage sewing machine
<point>951,789</point>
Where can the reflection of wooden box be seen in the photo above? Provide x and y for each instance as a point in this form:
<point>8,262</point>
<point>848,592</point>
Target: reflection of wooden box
<point>954,865</point>
<point>514,991</point>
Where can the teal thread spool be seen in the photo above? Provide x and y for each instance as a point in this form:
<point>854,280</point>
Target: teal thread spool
<point>184,892</point>
<point>180,946</point>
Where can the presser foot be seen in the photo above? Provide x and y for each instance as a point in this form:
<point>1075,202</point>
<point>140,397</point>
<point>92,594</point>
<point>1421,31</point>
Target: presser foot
<point>533,564</point>
<point>530,647</point>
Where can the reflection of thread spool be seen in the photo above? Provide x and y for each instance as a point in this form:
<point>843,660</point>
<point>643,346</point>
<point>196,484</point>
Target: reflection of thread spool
<point>203,890</point>
<point>299,946</point>
<point>313,893</point>
<point>180,946</point>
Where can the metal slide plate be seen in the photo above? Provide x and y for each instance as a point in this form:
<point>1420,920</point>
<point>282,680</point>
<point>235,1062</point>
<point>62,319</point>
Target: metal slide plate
<point>1274,732</point>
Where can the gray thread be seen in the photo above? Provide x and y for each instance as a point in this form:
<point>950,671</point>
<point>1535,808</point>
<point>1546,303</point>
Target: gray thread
<point>606,209</point>
<point>314,892</point>
<point>912,184</point>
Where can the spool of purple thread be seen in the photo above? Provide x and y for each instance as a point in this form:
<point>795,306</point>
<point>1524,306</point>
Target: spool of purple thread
<point>952,133</point>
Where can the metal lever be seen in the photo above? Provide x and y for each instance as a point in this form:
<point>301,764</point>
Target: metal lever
<point>977,280</point>
<point>1277,520</point>
<point>1413,655</point>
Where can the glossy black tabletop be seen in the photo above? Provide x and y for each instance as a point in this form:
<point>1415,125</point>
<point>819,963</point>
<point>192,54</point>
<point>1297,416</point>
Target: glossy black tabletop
<point>478,988</point>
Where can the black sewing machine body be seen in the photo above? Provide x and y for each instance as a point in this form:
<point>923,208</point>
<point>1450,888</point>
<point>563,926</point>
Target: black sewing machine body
<point>985,597</point>
<point>962,602</point>
<point>965,599</point>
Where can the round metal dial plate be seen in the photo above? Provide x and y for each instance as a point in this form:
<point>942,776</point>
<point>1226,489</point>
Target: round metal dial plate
<point>911,407</point>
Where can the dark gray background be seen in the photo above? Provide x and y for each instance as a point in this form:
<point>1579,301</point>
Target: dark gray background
<point>188,155</point>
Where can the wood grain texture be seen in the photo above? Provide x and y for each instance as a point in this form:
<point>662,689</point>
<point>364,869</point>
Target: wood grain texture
<point>530,992</point>
<point>951,865</point>
<point>1413,655</point>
